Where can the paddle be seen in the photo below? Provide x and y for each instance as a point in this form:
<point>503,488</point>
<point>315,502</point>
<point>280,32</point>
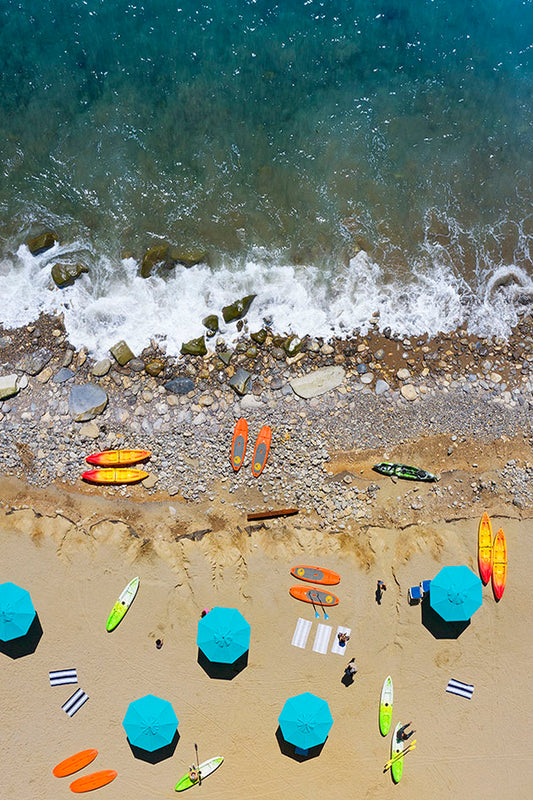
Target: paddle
<point>198,762</point>
<point>397,757</point>
<point>313,603</point>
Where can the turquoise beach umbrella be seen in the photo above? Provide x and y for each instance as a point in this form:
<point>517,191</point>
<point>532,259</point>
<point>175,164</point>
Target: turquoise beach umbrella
<point>455,593</point>
<point>305,720</point>
<point>16,611</point>
<point>150,723</point>
<point>223,635</point>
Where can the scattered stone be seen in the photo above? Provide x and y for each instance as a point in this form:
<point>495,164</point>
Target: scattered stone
<point>194,347</point>
<point>318,382</point>
<point>259,337</point>
<point>45,375</point>
<point>362,369</point>
<point>65,274</point>
<point>154,367</point>
<point>90,431</point>
<point>403,374</point>
<point>292,345</point>
<point>327,349</point>
<point>240,381</point>
<point>150,481</point>
<point>179,385</point>
<point>136,364</point>
<point>381,386</point>
<point>379,355</point>
<point>67,358</point>
<point>225,356</point>
<point>8,386</point>
<point>211,323</point>
<point>121,352</point>
<point>39,244</point>
<point>238,309</point>
<point>408,391</point>
<point>63,375</point>
<point>34,362</point>
<point>86,401</point>
<point>251,403</point>
<point>367,378</point>
<point>101,367</point>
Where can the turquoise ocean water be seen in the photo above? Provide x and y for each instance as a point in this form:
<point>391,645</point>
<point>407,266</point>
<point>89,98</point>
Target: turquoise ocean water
<point>335,158</point>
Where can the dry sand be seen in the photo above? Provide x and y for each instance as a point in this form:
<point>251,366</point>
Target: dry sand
<point>75,554</point>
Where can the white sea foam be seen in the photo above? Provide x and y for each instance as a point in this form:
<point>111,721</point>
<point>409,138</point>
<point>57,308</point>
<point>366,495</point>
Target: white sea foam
<point>113,302</point>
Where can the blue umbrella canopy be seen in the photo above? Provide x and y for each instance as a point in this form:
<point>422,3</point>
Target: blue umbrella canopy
<point>16,611</point>
<point>305,720</point>
<point>150,723</point>
<point>455,593</point>
<point>223,635</point>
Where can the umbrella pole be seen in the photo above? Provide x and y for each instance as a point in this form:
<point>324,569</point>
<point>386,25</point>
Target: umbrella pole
<point>198,762</point>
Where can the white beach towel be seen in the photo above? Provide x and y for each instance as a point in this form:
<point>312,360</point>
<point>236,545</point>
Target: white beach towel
<point>460,688</point>
<point>336,646</point>
<point>322,638</point>
<point>60,676</point>
<point>75,702</point>
<point>301,632</point>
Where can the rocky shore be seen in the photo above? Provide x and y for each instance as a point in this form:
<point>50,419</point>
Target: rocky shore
<point>335,408</point>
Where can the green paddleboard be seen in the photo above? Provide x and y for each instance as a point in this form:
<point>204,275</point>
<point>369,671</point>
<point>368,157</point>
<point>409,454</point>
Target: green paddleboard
<point>205,769</point>
<point>396,748</point>
<point>121,606</point>
<point>385,706</point>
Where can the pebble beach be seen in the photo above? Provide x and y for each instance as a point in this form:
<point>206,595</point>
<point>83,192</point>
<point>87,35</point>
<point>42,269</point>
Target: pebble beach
<point>455,405</point>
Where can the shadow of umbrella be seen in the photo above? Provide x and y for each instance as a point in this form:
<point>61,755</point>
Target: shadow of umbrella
<point>289,750</point>
<point>20,630</point>
<point>24,645</point>
<point>219,671</point>
<point>155,756</point>
<point>439,628</point>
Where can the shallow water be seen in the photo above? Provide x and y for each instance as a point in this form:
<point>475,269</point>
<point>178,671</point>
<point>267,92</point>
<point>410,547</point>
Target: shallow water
<point>284,138</point>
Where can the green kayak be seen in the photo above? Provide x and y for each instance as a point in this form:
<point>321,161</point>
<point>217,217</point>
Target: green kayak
<point>404,471</point>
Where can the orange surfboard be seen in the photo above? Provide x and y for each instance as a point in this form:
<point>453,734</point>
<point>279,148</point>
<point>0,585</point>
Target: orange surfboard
<point>316,575</point>
<point>74,763</point>
<point>93,781</point>
<point>118,458</point>
<point>238,445</point>
<point>114,475</point>
<point>262,447</point>
<point>484,548</point>
<point>499,564</point>
<point>311,595</point>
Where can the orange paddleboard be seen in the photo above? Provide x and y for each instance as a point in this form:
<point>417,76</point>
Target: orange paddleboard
<point>238,445</point>
<point>311,595</point>
<point>93,781</point>
<point>499,564</point>
<point>74,763</point>
<point>484,548</point>
<point>262,446</point>
<point>316,575</point>
<point>114,475</point>
<point>118,458</point>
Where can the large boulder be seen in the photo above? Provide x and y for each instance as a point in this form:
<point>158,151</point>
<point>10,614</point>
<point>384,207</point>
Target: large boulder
<point>45,240</point>
<point>238,309</point>
<point>167,256</point>
<point>32,363</point>
<point>318,382</point>
<point>86,402</point>
<point>65,274</point>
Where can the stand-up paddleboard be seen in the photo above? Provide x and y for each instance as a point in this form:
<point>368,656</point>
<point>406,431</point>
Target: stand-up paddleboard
<point>238,445</point>
<point>396,748</point>
<point>316,575</point>
<point>315,596</point>
<point>262,447</point>
<point>118,458</point>
<point>123,603</point>
<point>484,548</point>
<point>385,706</point>
<point>499,564</point>
<point>74,763</point>
<point>114,475</point>
<point>205,769</point>
<point>93,781</point>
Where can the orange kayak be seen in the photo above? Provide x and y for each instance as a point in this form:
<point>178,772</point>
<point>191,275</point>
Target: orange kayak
<point>118,458</point>
<point>316,575</point>
<point>114,475</point>
<point>311,595</point>
<point>93,781</point>
<point>74,763</point>
<point>238,445</point>
<point>484,548</point>
<point>499,565</point>
<point>262,446</point>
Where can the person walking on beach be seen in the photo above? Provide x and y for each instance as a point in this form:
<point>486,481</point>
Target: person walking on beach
<point>351,668</point>
<point>402,735</point>
<point>381,587</point>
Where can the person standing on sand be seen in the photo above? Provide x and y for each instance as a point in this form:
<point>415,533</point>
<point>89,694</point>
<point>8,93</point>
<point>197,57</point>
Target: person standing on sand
<point>381,587</point>
<point>351,669</point>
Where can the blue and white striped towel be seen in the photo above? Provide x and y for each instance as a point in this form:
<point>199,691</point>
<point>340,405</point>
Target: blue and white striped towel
<point>301,632</point>
<point>460,688</point>
<point>60,676</point>
<point>75,702</point>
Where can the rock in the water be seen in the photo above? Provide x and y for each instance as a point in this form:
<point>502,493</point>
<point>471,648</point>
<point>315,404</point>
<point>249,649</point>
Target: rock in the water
<point>8,386</point>
<point>121,352</point>
<point>86,401</point>
<point>155,367</point>
<point>240,382</point>
<point>38,244</point>
<point>63,375</point>
<point>179,385</point>
<point>292,345</point>
<point>409,392</point>
<point>211,322</point>
<point>194,347</point>
<point>168,256</point>
<point>65,274</point>
<point>189,257</point>
<point>34,362</point>
<point>238,309</point>
<point>259,337</point>
<point>101,367</point>
<point>318,382</point>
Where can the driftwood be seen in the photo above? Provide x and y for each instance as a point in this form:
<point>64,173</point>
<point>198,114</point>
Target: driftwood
<point>279,512</point>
